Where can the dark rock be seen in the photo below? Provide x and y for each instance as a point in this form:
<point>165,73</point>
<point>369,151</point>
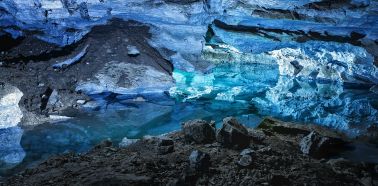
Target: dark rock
<point>199,161</point>
<point>319,146</point>
<point>199,131</point>
<point>233,134</point>
<point>245,160</point>
<point>297,67</point>
<point>103,144</point>
<point>165,146</point>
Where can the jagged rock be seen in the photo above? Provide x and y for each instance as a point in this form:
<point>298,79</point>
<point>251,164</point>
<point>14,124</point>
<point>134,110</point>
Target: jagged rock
<point>319,146</point>
<point>245,160</point>
<point>199,131</point>
<point>126,142</point>
<point>132,51</point>
<point>165,145</point>
<point>233,134</point>
<point>199,161</point>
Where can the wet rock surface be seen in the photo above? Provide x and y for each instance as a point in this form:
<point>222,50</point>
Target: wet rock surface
<point>199,131</point>
<point>265,163</point>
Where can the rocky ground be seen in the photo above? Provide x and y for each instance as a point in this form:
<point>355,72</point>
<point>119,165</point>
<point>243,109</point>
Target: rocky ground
<point>276,153</point>
<point>110,57</point>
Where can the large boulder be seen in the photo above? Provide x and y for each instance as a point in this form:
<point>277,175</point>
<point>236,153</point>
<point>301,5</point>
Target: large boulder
<point>233,134</point>
<point>319,146</point>
<point>199,131</point>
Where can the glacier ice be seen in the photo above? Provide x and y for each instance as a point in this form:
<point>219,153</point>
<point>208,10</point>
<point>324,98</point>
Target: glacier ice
<point>10,112</point>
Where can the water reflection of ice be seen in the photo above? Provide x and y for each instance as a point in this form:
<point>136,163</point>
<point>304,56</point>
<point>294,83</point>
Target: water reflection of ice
<point>11,152</point>
<point>289,98</point>
<point>324,104</point>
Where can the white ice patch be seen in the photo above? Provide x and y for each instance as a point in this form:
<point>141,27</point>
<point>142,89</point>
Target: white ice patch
<point>10,112</point>
<point>327,61</point>
<point>126,78</point>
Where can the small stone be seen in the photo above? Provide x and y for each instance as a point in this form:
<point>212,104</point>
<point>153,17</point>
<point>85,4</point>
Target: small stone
<point>127,142</point>
<point>199,161</point>
<point>132,51</point>
<point>41,84</point>
<point>109,51</point>
<point>247,151</point>
<point>199,131</point>
<point>1,63</point>
<point>80,102</point>
<point>245,161</point>
<point>233,134</point>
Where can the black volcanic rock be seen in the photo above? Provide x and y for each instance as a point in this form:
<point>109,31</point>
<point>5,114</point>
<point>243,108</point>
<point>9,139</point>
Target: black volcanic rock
<point>320,146</point>
<point>199,131</point>
<point>233,134</point>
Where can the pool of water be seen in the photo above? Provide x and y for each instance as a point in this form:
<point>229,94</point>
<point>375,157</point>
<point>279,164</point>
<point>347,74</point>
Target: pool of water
<point>246,91</point>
